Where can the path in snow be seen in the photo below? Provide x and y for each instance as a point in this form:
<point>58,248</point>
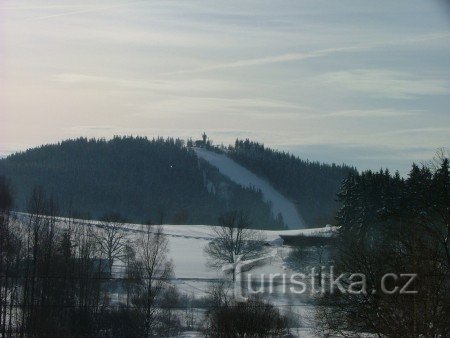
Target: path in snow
<point>246,178</point>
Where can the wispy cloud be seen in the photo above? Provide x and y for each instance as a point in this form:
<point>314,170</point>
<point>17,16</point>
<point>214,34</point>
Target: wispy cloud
<point>222,108</point>
<point>426,130</point>
<point>86,9</point>
<point>187,96</point>
<point>385,83</point>
<point>190,85</point>
<point>290,57</point>
<point>372,113</point>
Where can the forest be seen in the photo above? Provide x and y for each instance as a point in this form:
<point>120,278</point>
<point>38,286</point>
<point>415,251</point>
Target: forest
<point>150,181</point>
<point>396,230</point>
<point>312,186</point>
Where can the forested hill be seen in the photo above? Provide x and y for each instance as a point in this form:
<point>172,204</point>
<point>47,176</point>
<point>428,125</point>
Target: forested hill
<point>312,186</point>
<point>157,180</point>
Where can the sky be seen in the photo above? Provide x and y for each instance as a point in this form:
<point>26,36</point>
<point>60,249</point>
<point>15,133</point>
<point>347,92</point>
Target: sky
<point>365,83</point>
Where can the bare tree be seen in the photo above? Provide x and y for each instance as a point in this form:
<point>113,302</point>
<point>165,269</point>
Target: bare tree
<point>36,209</point>
<point>155,268</point>
<point>111,238</point>
<point>170,321</point>
<point>251,318</point>
<point>233,241</point>
<point>6,250</point>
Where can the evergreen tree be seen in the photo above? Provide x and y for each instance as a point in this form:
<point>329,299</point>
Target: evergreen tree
<point>312,186</point>
<point>160,179</point>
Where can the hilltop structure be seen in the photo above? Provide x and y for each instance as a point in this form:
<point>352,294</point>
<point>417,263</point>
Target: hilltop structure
<point>204,142</point>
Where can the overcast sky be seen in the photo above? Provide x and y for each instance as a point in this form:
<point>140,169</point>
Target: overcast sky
<point>361,82</point>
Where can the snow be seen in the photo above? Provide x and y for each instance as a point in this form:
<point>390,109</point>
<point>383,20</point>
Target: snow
<point>205,231</point>
<point>189,260</point>
<point>248,264</point>
<point>327,231</point>
<point>187,243</point>
<point>193,277</point>
<point>246,178</point>
<point>190,334</point>
<point>295,332</point>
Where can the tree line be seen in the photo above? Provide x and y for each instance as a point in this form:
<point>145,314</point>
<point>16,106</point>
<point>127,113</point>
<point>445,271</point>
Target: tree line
<point>391,226</point>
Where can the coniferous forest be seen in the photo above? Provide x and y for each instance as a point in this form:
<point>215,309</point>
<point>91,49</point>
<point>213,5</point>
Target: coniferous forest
<point>163,181</point>
<point>395,231</point>
<point>150,181</point>
<point>312,186</point>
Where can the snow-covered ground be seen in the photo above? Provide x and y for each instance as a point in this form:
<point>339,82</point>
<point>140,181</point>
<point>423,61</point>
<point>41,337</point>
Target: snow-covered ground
<point>187,243</point>
<point>297,332</point>
<point>193,277</point>
<point>246,178</point>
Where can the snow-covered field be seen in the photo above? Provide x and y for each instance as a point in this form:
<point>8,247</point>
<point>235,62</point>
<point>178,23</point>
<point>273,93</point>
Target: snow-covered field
<point>193,277</point>
<point>187,243</point>
<point>246,178</point>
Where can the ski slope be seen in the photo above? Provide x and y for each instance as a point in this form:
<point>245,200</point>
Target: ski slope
<point>246,178</point>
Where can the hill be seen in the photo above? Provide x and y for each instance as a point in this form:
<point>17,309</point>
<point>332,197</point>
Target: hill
<point>312,186</point>
<point>164,181</point>
<point>158,180</point>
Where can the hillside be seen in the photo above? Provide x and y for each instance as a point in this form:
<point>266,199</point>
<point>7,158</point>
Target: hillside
<point>282,207</point>
<point>312,186</point>
<point>145,180</point>
<point>163,181</point>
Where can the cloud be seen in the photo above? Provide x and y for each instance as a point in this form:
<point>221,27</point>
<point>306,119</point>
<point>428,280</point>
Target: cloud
<point>245,108</point>
<point>87,9</point>
<point>80,78</point>
<point>161,85</point>
<point>195,96</point>
<point>385,83</point>
<point>372,113</point>
<point>290,57</point>
<point>420,131</point>
<point>365,156</point>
